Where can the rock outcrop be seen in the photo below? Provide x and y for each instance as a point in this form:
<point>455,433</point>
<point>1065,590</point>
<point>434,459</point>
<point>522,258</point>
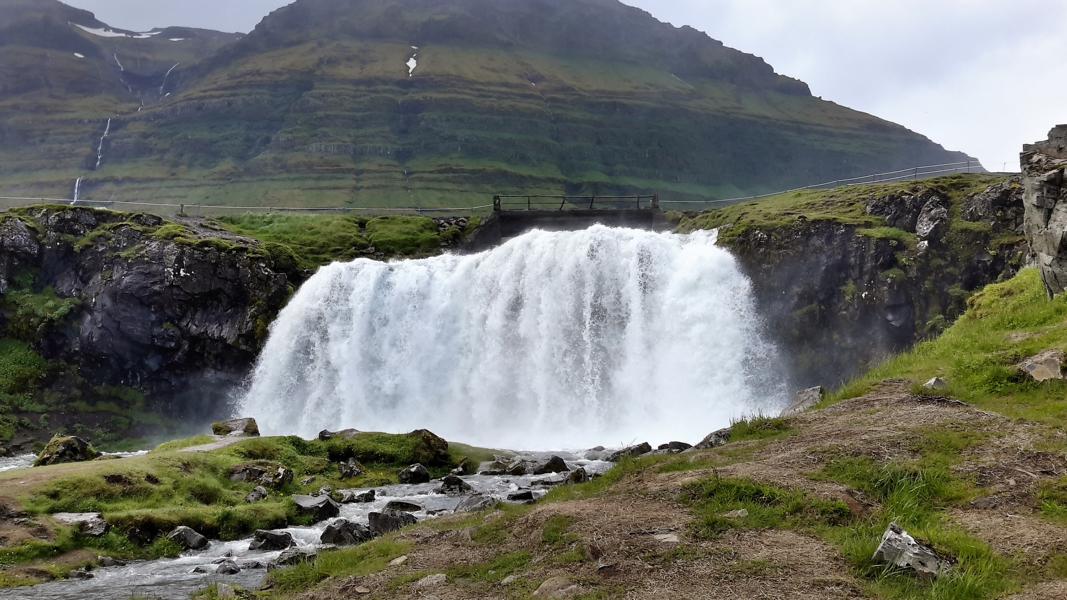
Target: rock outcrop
<point>175,312</point>
<point>1045,220</point>
<point>65,449</point>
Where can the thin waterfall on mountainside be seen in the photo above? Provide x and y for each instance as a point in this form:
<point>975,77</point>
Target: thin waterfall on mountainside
<point>551,340</point>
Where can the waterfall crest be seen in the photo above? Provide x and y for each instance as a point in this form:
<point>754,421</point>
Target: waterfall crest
<point>552,340</point>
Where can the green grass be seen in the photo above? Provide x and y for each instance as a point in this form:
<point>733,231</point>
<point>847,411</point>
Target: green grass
<point>173,445</point>
<point>768,507</point>
<point>1052,497</point>
<point>490,572</point>
<point>1004,324</point>
<point>360,561</point>
<point>759,428</point>
<point>30,314</point>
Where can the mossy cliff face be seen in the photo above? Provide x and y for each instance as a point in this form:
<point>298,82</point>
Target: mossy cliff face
<point>1043,165</point>
<point>847,277</point>
<point>118,306</point>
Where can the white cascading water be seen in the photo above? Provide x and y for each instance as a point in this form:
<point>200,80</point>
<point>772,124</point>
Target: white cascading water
<point>552,340</point>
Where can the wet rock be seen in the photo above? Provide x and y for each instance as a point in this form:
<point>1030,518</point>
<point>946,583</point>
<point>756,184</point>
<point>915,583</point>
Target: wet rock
<point>244,427</point>
<point>804,400</point>
<point>81,574</point>
<point>344,434</point>
<point>452,485</point>
<point>91,524</point>
<point>318,508</point>
<point>293,556</point>
<point>345,533</point>
<point>578,475</point>
<point>402,506</point>
<point>324,491</point>
<point>350,469</point>
<point>632,452</point>
<point>901,550</point>
<point>65,449</point>
<point>465,468</point>
<point>258,494</point>
<point>552,465</point>
<point>516,469</point>
<point>475,503</point>
<point>271,540</point>
<point>352,496</point>
<point>715,439</point>
<point>187,538</point>
<point>414,474</point>
<point>1047,366</point>
<point>521,496</point>
<point>228,567</point>
<point>675,447</point>
<point>430,581</point>
<point>389,521</point>
<point>936,384</point>
<point>253,564</point>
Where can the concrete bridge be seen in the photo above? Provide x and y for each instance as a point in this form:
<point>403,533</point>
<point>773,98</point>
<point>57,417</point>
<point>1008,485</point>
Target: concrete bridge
<point>515,215</point>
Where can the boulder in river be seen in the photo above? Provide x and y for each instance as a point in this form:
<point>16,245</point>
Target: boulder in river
<point>901,550</point>
<point>90,524</point>
<point>632,451</point>
<point>475,503</point>
<point>452,485</point>
<point>552,465</point>
<point>390,520</point>
<point>187,538</point>
<point>228,567</point>
<point>402,506</point>
<point>346,533</point>
<point>243,427</point>
<point>66,449</point>
<point>319,508</point>
<point>271,540</point>
<point>352,496</point>
<point>414,474</point>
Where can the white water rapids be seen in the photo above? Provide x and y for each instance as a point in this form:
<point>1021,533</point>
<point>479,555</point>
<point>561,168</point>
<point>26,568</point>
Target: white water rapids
<point>552,340</point>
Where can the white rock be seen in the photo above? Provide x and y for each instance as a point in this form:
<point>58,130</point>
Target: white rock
<point>899,549</point>
<point>936,384</point>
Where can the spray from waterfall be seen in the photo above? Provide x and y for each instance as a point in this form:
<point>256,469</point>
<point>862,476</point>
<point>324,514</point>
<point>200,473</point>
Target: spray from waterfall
<point>552,340</point>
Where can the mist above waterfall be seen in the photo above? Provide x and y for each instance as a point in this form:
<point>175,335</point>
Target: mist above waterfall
<point>552,340</point>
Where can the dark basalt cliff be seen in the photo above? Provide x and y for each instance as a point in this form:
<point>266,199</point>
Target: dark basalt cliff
<point>127,305</point>
<point>847,277</point>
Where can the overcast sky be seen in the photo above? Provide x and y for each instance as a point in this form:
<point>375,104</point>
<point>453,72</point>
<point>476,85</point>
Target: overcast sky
<point>982,76</point>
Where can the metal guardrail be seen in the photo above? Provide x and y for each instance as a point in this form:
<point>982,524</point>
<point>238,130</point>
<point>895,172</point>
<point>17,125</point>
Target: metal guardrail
<point>531,202</point>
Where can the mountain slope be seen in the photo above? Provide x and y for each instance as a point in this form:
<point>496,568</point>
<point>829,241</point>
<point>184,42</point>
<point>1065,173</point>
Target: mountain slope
<point>376,102</point>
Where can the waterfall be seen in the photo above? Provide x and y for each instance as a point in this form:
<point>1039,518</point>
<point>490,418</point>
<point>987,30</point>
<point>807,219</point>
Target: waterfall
<point>552,340</point>
<point>100,146</point>
<point>165,76</point>
<point>77,190</point>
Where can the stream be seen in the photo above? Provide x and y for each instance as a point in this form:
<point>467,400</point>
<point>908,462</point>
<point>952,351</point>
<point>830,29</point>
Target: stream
<point>178,579</point>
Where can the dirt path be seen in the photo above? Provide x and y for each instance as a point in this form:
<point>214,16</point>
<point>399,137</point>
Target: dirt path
<point>635,541</point>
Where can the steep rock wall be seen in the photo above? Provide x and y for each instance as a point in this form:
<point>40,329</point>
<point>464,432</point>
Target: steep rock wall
<point>1043,167</point>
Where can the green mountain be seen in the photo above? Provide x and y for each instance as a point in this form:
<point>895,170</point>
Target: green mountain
<point>379,102</point>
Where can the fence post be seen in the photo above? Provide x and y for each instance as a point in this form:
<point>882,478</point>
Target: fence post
<point>181,210</point>
<point>528,208</point>
<point>915,175</point>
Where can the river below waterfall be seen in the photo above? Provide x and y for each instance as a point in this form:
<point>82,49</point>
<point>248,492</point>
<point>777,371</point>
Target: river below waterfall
<point>178,579</point>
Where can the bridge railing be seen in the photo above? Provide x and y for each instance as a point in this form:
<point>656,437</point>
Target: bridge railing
<point>532,202</point>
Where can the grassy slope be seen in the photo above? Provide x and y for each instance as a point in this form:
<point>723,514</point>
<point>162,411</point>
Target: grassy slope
<point>1005,324</point>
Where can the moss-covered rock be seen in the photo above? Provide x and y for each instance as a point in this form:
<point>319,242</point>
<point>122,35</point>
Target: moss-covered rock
<point>66,449</point>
